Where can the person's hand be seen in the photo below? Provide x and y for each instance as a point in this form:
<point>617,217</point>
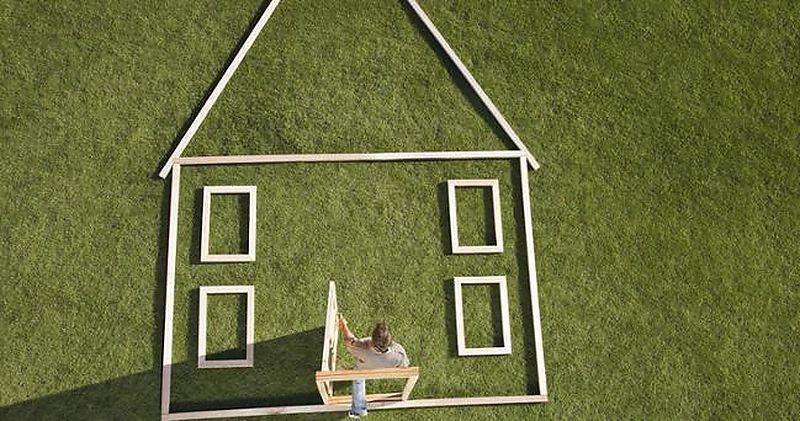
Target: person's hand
<point>342,323</point>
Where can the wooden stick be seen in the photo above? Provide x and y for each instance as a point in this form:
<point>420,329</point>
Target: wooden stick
<point>409,387</point>
<point>169,296</point>
<point>223,81</point>
<point>375,397</point>
<point>311,409</point>
<point>473,83</point>
<point>532,281</point>
<point>347,157</point>
<point>370,374</point>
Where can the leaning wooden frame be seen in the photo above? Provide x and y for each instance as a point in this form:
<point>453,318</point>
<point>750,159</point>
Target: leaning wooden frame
<point>328,373</point>
<point>175,161</point>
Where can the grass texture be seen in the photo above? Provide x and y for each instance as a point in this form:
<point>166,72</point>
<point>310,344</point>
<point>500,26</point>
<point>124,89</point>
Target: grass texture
<point>666,213</point>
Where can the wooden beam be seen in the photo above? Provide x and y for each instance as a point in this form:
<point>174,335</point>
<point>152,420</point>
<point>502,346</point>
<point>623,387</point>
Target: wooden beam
<point>311,409</point>
<point>473,83</point>
<point>169,295</point>
<point>375,397</point>
<point>532,281</point>
<point>347,157</point>
<point>220,86</point>
<point>409,387</point>
<point>370,374</point>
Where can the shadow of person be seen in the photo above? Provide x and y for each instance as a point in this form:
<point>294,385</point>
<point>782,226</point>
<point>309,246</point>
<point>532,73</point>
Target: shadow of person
<point>283,374</point>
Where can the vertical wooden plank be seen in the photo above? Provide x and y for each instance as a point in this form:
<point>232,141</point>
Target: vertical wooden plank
<point>169,296</point>
<point>534,288</point>
<point>251,324</point>
<point>498,217</point>
<point>451,204</point>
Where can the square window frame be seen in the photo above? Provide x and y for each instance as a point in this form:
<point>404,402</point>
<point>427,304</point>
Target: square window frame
<point>463,351</point>
<point>202,328</point>
<point>457,248</point>
<point>250,256</point>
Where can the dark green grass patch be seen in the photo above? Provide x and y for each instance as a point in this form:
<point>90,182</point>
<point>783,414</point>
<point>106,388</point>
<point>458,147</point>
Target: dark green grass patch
<point>475,216</point>
<point>226,334</point>
<point>482,316</point>
<point>228,230</point>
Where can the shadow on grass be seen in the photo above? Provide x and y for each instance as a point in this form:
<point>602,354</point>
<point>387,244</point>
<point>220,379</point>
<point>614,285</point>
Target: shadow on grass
<point>283,375</point>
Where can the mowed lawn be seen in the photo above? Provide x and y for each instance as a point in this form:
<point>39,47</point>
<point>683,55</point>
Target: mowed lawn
<point>666,212</point>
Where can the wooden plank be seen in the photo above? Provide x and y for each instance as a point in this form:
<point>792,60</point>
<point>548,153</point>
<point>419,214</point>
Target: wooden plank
<point>220,86</point>
<point>412,381</point>
<point>169,296</point>
<point>329,341</point>
<point>323,392</point>
<point>473,83</point>
<point>370,374</point>
<point>532,280</point>
<point>375,397</point>
<point>346,157</point>
<point>311,409</point>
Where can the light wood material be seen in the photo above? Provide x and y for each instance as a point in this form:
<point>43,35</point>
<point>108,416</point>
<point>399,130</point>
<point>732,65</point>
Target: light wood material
<point>347,157</point>
<point>411,374</point>
<point>311,409</point>
<point>169,295</point>
<point>457,248</point>
<point>250,256</point>
<point>369,374</point>
<point>219,87</point>
<point>330,342</point>
<point>473,83</point>
<point>205,291</point>
<point>458,282</point>
<point>532,280</point>
<point>375,397</point>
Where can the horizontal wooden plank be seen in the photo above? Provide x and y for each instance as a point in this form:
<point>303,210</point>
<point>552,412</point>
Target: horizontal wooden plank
<point>378,373</point>
<point>310,409</point>
<point>347,157</point>
<point>375,397</point>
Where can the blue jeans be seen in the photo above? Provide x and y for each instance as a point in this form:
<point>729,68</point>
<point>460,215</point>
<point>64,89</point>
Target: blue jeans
<point>359,406</point>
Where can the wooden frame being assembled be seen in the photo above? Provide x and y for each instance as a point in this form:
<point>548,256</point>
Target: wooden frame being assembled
<point>328,373</point>
<point>335,403</point>
<point>250,256</point>
<point>458,283</point>
<point>453,211</point>
<point>330,342</point>
<point>202,323</point>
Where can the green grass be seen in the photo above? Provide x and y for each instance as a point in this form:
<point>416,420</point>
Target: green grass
<point>666,212</point>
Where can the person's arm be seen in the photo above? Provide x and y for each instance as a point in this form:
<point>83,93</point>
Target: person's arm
<point>346,333</point>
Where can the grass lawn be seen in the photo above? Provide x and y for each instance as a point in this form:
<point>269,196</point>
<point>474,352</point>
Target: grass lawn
<point>666,213</point>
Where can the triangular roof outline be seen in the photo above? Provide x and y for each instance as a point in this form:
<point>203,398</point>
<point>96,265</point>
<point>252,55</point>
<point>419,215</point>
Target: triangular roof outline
<point>254,33</point>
